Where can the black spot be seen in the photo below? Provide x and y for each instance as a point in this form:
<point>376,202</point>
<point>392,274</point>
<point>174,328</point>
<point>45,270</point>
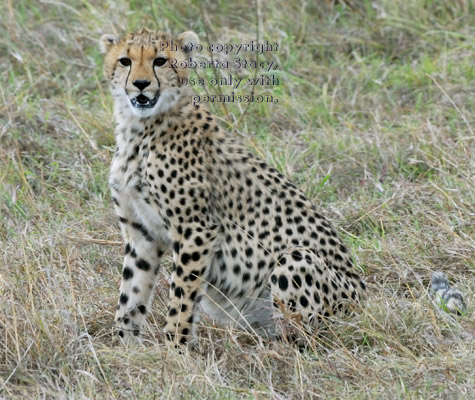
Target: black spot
<point>309,279</point>
<point>142,264</point>
<point>303,301</point>
<point>172,312</point>
<point>127,273</point>
<point>127,248</point>
<point>143,230</point>
<point>179,292</point>
<point>296,282</point>
<point>316,297</point>
<point>142,309</point>
<point>292,304</point>
<point>325,288</point>
<point>185,258</point>
<point>195,256</point>
<point>188,233</point>
<point>194,275</point>
<point>123,298</point>
<point>283,282</point>
<point>296,255</point>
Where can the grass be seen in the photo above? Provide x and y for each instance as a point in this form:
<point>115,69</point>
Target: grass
<point>374,122</point>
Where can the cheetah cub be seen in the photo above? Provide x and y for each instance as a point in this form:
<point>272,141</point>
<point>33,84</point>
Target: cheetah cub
<point>248,246</point>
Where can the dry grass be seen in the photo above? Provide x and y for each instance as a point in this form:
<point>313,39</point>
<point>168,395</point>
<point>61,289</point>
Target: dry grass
<point>375,122</point>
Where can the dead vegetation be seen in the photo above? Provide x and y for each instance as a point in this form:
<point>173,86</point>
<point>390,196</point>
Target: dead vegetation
<point>374,121</point>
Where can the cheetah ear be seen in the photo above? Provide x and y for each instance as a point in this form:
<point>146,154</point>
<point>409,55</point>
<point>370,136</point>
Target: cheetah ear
<point>106,42</point>
<point>189,40</point>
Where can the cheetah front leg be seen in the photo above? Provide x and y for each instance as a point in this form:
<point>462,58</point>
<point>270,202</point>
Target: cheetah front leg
<point>192,253</point>
<point>140,269</point>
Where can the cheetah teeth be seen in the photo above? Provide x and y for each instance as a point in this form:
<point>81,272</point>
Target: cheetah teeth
<point>142,101</point>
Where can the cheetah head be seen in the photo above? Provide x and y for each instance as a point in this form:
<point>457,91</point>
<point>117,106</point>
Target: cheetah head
<point>142,78</point>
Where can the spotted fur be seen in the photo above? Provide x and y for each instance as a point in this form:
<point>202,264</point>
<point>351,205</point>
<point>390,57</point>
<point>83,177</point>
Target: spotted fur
<point>247,244</point>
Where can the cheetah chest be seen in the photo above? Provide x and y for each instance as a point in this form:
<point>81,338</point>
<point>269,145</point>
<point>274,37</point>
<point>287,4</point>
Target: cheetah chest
<point>132,198</point>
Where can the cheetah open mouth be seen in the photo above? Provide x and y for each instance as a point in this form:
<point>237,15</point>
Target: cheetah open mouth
<point>142,101</point>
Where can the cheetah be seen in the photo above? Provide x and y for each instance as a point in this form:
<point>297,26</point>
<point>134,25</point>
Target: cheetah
<point>247,244</point>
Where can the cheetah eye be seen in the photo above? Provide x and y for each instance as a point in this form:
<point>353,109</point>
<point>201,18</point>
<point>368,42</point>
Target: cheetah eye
<point>126,62</point>
<point>158,62</point>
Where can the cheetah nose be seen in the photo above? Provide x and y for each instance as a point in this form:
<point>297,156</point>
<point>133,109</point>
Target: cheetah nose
<point>141,83</point>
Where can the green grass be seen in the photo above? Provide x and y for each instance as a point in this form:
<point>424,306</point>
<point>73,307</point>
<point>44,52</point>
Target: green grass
<point>374,122</point>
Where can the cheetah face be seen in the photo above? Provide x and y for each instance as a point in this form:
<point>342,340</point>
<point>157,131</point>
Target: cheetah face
<point>142,79</point>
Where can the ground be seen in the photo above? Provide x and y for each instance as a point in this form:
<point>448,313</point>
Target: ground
<point>374,122</point>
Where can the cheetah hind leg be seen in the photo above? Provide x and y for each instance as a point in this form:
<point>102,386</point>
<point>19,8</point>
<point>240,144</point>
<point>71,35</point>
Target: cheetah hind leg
<point>305,291</point>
